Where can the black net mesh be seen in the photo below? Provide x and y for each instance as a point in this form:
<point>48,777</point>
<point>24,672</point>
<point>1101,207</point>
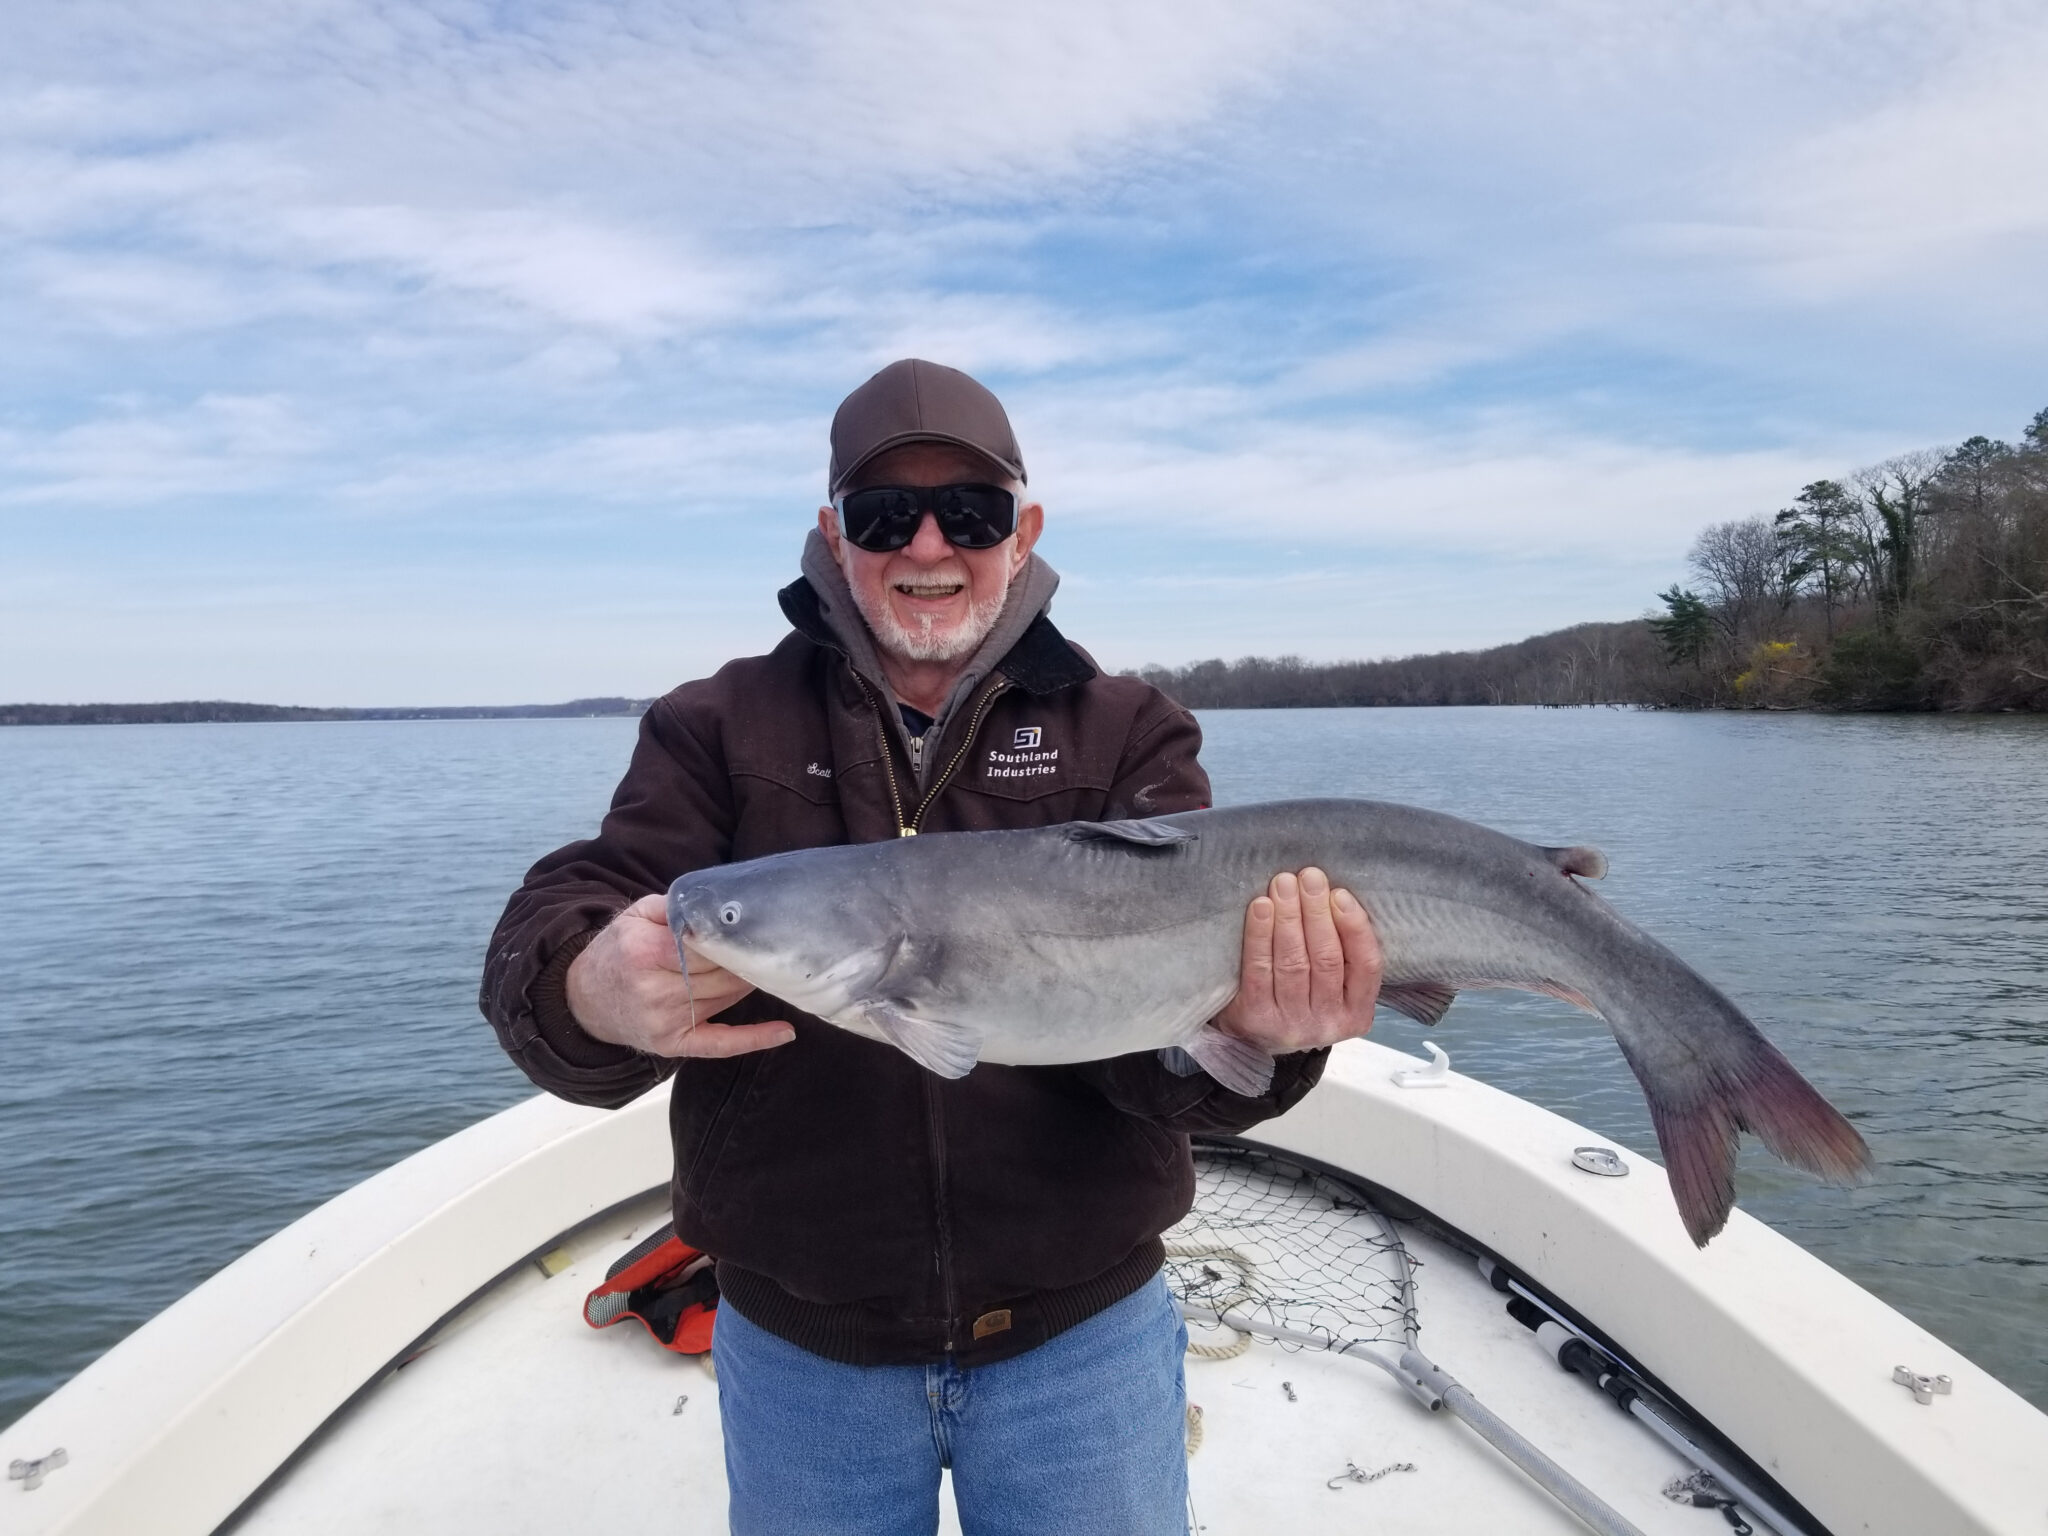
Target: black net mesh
<point>1272,1243</point>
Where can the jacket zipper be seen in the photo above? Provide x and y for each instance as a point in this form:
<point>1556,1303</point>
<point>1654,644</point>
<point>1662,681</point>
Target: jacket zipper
<point>888,757</point>
<point>935,1128</point>
<point>908,828</point>
<point>934,1108</point>
<point>995,691</point>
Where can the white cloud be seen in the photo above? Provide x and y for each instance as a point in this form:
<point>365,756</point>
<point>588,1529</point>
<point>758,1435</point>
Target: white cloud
<point>1461,281</point>
<point>1506,489</point>
<point>1949,173</point>
<point>129,455</point>
<point>571,270</point>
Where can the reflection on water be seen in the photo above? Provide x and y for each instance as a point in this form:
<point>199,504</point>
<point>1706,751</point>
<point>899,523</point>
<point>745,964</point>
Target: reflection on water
<point>242,968</point>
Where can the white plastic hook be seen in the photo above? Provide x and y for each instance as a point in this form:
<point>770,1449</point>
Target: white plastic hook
<point>1436,1075</point>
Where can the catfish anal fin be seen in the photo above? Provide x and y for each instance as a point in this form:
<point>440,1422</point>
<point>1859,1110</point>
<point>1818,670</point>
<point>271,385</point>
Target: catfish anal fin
<point>1565,994</point>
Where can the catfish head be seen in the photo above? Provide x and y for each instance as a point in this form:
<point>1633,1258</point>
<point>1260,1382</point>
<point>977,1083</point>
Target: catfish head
<point>792,930</point>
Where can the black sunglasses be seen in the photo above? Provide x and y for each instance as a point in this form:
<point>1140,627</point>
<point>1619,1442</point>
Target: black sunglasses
<point>886,517</point>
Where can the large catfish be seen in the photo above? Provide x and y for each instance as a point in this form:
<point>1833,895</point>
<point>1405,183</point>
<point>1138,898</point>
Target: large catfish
<point>1093,939</point>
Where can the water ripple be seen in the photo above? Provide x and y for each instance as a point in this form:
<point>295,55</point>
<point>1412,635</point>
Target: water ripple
<point>244,960</point>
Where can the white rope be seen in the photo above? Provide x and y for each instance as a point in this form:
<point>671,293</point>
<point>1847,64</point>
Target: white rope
<point>1246,1271</point>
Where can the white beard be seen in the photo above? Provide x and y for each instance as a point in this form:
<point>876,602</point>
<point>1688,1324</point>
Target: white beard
<point>924,643</point>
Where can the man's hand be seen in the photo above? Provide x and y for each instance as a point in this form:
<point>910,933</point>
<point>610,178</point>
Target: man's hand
<point>1311,970</point>
<point>627,987</point>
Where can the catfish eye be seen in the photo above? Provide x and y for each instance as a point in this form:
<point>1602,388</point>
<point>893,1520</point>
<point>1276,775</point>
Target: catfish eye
<point>729,913</point>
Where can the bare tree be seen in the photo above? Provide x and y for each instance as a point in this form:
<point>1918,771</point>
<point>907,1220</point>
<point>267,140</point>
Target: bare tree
<point>1750,576</point>
<point>1893,499</point>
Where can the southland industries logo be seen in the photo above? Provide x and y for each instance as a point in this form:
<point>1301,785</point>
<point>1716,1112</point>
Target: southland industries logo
<point>1027,758</point>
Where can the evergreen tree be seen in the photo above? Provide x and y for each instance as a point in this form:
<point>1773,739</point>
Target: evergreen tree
<point>1687,627</point>
<point>1816,533</point>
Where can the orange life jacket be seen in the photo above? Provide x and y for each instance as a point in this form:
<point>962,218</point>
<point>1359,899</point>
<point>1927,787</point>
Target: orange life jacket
<point>666,1286</point>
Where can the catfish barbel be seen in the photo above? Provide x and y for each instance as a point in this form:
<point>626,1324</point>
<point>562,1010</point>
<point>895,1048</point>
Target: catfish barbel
<point>1095,939</point>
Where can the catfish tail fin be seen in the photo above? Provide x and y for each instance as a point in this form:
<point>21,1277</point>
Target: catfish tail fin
<point>1764,1095</point>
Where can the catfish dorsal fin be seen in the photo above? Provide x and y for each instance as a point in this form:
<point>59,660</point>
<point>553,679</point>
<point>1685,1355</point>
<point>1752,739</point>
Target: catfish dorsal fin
<point>1586,863</point>
<point>1141,834</point>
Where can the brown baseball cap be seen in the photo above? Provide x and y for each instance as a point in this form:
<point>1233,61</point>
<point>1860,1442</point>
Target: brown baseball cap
<point>914,401</point>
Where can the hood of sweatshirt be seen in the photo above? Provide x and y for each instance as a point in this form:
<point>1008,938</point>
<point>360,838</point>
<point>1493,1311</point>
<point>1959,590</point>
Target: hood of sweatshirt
<point>1029,596</point>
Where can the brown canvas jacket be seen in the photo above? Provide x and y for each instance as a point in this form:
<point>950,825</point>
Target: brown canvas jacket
<point>860,1206</point>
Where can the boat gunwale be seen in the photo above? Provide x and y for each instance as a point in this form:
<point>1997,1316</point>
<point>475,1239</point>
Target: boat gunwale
<point>1405,1212</point>
<point>1472,1155</point>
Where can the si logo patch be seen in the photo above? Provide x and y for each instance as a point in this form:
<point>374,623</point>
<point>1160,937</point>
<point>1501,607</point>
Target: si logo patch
<point>1027,757</point>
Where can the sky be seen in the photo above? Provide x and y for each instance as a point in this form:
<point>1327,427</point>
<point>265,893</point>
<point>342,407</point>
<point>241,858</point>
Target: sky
<point>465,353</point>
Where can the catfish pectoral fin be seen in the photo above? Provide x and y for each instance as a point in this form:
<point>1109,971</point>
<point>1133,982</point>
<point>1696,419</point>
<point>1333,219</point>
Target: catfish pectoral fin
<point>1233,1061</point>
<point>948,1049</point>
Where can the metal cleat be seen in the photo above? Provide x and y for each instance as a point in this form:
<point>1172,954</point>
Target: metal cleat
<point>1925,1388</point>
<point>1604,1161</point>
<point>30,1473</point>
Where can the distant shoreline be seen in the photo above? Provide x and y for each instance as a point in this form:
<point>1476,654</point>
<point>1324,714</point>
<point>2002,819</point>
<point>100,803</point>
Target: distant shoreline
<point>229,712</point>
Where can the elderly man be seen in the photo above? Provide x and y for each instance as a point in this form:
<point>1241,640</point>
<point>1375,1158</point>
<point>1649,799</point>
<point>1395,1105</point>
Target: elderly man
<point>915,1273</point>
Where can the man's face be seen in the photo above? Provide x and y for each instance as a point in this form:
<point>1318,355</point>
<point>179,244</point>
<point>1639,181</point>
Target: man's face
<point>930,601</point>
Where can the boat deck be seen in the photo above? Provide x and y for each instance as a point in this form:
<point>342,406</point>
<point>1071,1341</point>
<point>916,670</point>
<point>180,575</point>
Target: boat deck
<point>519,1418</point>
<point>264,1398</point>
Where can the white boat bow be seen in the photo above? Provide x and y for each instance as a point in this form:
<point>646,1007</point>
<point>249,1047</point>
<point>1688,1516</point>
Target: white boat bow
<point>412,1353</point>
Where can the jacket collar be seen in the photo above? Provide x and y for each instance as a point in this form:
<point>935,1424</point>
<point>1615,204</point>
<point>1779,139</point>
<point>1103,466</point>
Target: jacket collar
<point>1041,662</point>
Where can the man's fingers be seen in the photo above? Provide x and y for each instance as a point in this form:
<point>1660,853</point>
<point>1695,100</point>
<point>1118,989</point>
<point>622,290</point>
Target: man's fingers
<point>1290,950</point>
<point>735,1039</point>
<point>1325,948</point>
<point>1255,972</point>
<point>1363,961</point>
<point>700,967</point>
<point>637,927</point>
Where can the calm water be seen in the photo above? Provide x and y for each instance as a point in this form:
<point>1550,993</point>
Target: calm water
<point>241,969</point>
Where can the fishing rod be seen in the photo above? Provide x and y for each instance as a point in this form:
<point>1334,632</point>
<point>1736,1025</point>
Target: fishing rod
<point>1593,1363</point>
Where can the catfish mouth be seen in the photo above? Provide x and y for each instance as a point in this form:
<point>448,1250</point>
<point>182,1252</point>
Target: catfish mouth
<point>693,918</point>
<point>683,907</point>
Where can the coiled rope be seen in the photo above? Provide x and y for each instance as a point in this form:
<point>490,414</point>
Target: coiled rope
<point>1247,1273</point>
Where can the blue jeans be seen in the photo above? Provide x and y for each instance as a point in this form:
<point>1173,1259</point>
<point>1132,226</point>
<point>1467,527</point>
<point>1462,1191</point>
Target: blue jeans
<point>1083,1435</point>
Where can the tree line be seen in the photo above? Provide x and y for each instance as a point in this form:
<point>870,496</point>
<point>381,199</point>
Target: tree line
<point>1918,583</point>
<point>231,712</point>
<point>1921,582</point>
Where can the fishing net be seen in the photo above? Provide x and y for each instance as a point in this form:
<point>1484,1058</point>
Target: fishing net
<point>1276,1250</point>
